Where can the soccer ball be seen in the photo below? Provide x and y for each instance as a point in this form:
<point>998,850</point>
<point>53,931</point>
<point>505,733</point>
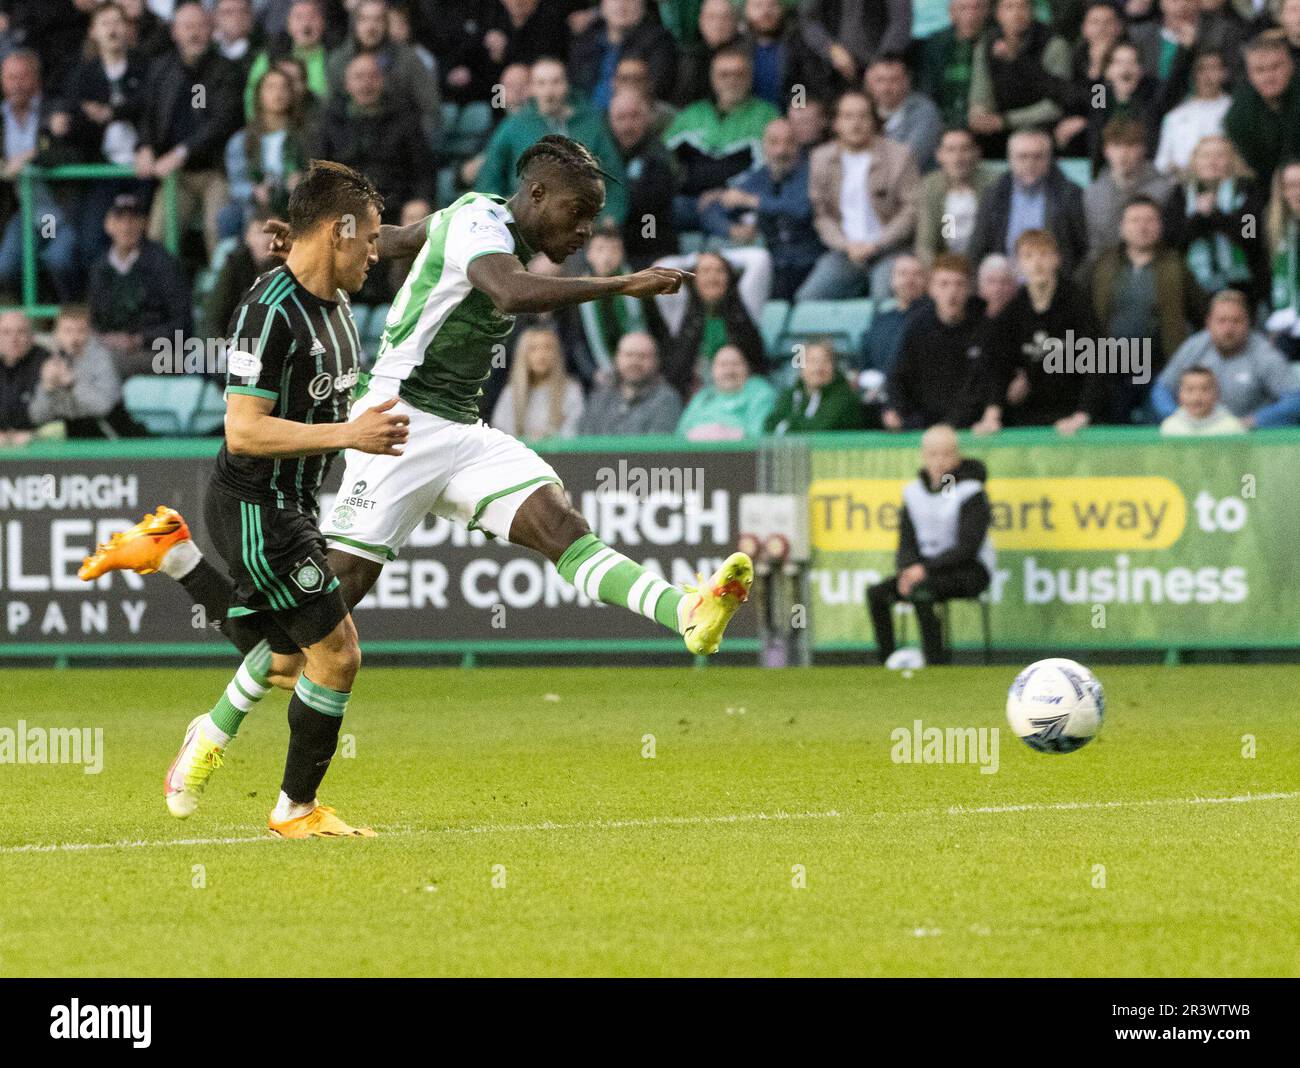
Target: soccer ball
<point>1056,706</point>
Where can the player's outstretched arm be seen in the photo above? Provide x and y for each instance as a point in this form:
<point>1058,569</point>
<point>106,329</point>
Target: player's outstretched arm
<point>251,430</point>
<point>515,291</point>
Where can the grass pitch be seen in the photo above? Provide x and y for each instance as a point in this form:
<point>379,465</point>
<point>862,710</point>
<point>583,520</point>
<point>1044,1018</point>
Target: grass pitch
<point>525,831</point>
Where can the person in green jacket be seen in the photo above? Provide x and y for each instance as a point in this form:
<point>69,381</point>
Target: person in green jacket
<point>820,400</point>
<point>734,407</point>
<point>305,26</point>
<point>552,110</point>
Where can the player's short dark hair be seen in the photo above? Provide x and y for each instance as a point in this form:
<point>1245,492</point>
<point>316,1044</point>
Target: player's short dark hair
<point>328,191</point>
<point>555,150</point>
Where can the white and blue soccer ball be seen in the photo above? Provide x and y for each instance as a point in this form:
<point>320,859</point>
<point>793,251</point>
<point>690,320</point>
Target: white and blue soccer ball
<point>1056,706</point>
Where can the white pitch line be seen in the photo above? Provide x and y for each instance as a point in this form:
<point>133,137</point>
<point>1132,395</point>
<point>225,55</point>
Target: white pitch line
<point>518,828</point>
<point>1068,806</point>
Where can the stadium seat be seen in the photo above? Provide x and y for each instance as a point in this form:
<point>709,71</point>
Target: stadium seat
<point>1077,169</point>
<point>692,241</point>
<point>772,325</point>
<point>211,412</point>
<point>164,404</point>
<point>846,321</point>
<point>446,191</point>
<point>373,333</point>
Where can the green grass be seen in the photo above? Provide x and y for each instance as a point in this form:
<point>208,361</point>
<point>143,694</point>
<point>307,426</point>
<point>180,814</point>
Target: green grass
<point>638,873</point>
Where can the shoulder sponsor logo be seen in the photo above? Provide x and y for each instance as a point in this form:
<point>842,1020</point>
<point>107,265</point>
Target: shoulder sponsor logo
<point>243,364</point>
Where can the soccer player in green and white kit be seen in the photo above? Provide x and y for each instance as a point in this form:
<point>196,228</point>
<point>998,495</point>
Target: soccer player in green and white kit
<point>455,309</point>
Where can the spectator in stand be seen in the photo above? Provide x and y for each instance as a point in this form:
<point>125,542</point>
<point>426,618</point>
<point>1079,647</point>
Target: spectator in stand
<point>137,293</point>
<point>1019,78</point>
<point>1214,220</point>
<point>250,259</point>
<point>944,547</point>
<point>523,31</point>
<point>1284,243</point>
<point>305,31</point>
<point>1201,116</point>
<point>1128,174</point>
<point>1127,93</point>
<point>380,136</point>
<point>780,59</point>
<point>719,27</point>
<point>31,123</point>
<point>775,195</point>
<point>1102,28</point>
<point>733,407</point>
<point>1287,14</point>
<point>602,323</point>
<point>938,374</point>
<point>633,73</point>
<point>908,283</point>
<point>1259,386</point>
<point>623,28</point>
<point>908,117</point>
<point>540,401</point>
<point>409,84</point>
<point>1167,46</point>
<point>820,400</point>
<point>950,196</point>
<point>398,267</point>
<point>232,32</point>
<point>637,400</point>
<point>265,159</point>
<point>21,363</point>
<point>648,231</point>
<point>1142,291</point>
<point>947,59</point>
<point>1029,378</point>
<point>1264,119</point>
<point>553,109</point>
<point>847,35</point>
<point>810,123</point>
<point>150,35</point>
<point>718,138</point>
<point>1199,412</point>
<point>105,93</point>
<point>1034,194</point>
<point>106,90</point>
<point>864,193</point>
<point>178,138</point>
<point>707,315</point>
<point>996,284</point>
<point>79,386</point>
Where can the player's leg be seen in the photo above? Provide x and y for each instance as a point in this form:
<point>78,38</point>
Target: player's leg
<point>316,713</point>
<point>161,542</point>
<point>966,580</point>
<point>503,487</point>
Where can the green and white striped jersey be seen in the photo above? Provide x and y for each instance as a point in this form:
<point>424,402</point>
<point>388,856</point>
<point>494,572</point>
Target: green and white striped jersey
<point>442,333</point>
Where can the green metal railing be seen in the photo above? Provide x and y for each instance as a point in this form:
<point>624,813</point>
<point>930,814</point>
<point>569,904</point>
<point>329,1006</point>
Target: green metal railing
<point>79,172</point>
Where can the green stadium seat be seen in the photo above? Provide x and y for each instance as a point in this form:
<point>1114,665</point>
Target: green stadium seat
<point>470,132</point>
<point>1077,169</point>
<point>446,190</point>
<point>164,404</point>
<point>691,242</point>
<point>211,411</point>
<point>772,325</point>
<point>846,321</point>
<point>374,332</point>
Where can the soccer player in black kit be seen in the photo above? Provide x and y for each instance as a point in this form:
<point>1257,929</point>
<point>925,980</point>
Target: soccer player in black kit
<point>292,361</point>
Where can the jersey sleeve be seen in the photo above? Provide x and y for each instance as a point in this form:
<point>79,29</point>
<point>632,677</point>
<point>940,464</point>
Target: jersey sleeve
<point>260,342</point>
<point>474,232</point>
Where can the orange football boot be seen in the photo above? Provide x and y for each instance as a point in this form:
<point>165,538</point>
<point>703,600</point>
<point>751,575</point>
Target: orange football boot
<point>320,822</point>
<point>139,549</point>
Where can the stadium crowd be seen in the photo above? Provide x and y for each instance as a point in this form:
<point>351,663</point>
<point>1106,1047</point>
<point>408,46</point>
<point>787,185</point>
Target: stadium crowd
<point>898,214</point>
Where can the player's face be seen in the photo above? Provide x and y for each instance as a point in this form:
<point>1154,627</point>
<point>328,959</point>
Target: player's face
<point>567,216</point>
<point>356,249</point>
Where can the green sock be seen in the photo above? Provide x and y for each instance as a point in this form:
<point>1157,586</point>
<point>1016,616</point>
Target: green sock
<point>606,575</point>
<point>244,691</point>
